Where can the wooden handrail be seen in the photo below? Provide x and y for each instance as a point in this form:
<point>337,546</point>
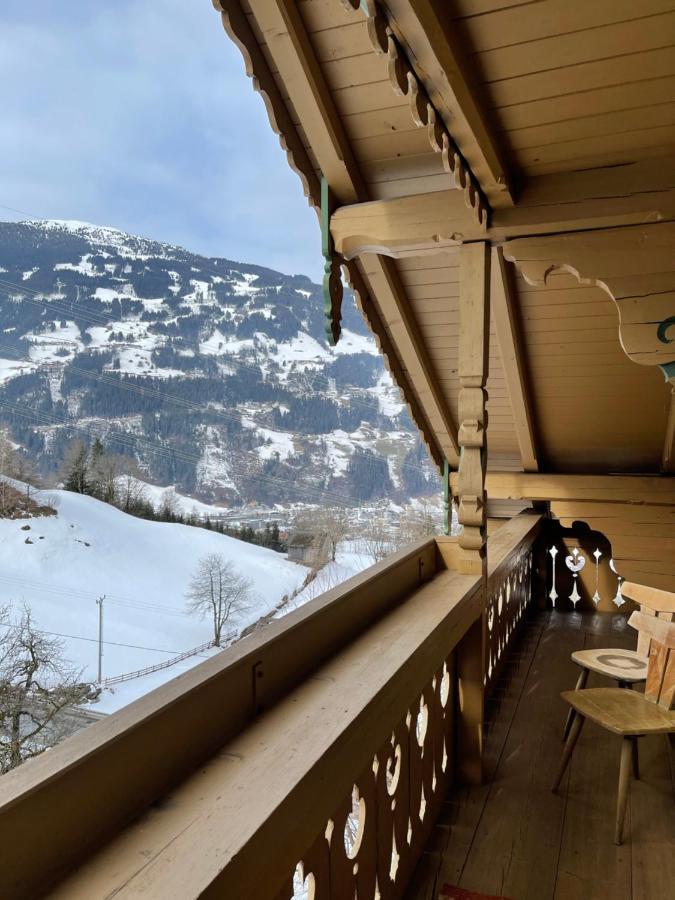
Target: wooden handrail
<point>119,766</point>
<point>341,684</point>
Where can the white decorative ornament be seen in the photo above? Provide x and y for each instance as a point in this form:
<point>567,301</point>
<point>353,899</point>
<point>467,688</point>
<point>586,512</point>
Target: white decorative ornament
<point>575,563</point>
<point>553,594</point>
<point>618,599</point>
<point>596,596</point>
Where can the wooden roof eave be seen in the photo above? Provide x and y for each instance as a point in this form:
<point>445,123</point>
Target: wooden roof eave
<point>281,23</point>
<point>422,28</point>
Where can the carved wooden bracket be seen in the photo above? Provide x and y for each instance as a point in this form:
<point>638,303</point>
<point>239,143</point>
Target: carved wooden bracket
<point>405,83</point>
<point>633,265</point>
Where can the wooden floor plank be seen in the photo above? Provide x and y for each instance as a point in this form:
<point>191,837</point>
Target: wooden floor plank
<point>523,820</point>
<point>461,814</point>
<point>652,821</point>
<point>510,837</point>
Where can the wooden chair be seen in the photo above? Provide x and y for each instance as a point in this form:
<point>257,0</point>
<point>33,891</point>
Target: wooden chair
<point>628,713</point>
<point>627,667</point>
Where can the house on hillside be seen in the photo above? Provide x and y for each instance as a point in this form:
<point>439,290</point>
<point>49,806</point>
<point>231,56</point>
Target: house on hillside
<point>309,548</point>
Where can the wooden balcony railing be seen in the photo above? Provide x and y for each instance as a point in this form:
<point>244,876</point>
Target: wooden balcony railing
<point>309,760</point>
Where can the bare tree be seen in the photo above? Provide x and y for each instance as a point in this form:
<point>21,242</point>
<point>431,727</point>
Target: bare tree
<point>378,539</point>
<point>106,469</point>
<point>218,590</point>
<point>329,526</point>
<point>37,685</point>
<point>130,489</point>
<point>170,506</point>
<point>416,524</point>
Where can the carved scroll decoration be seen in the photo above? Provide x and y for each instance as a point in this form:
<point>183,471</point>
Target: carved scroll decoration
<point>239,31</point>
<point>425,115</point>
<point>634,265</point>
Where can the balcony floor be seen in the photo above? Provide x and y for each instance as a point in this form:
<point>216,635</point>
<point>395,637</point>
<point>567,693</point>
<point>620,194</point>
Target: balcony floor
<point>511,837</point>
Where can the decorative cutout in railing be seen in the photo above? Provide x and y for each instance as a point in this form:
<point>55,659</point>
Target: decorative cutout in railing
<point>374,838</point>
<point>575,562</point>
<point>508,598</point>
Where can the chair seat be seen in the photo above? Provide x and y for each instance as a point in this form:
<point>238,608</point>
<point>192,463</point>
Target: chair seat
<point>621,711</point>
<point>623,665</point>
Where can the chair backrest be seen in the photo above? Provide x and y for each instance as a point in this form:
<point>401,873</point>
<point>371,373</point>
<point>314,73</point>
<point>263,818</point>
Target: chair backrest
<point>653,602</point>
<point>660,684</point>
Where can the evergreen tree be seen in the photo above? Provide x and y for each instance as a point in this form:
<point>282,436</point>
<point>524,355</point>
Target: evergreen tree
<point>76,468</point>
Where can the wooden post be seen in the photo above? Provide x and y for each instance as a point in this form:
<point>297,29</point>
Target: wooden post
<point>474,332</point>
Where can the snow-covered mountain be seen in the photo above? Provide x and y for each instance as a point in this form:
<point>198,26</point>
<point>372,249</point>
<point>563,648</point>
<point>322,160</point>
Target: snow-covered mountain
<point>213,374</point>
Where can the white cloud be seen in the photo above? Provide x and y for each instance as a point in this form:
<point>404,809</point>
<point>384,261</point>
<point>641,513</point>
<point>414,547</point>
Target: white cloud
<point>140,116</point>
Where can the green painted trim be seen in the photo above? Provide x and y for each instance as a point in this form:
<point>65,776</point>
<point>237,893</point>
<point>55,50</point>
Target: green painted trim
<point>446,497</point>
<point>332,280</point>
<point>325,218</point>
<point>663,328</point>
<point>668,370</point>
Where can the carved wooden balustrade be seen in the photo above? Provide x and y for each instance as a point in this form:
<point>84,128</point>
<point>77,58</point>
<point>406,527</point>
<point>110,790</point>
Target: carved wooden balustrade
<point>374,837</point>
<point>508,594</point>
<point>307,761</point>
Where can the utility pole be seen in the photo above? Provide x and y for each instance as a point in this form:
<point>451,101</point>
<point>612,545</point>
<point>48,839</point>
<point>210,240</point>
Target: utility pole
<point>99,603</point>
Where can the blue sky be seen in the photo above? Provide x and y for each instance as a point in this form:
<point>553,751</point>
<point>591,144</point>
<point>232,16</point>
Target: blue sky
<point>139,115</point>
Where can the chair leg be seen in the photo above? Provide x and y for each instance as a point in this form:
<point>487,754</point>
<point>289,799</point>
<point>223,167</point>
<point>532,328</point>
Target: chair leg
<point>581,684</point>
<point>575,731</point>
<point>636,758</point>
<point>624,778</point>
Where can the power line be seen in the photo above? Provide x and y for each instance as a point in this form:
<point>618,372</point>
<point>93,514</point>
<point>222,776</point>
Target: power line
<point>96,319</point>
<point>79,637</point>
<point>114,599</point>
<point>131,442</point>
<point>143,390</point>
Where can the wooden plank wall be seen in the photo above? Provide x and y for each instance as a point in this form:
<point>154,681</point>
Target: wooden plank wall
<point>432,286</point>
<point>557,102</point>
<point>642,536</point>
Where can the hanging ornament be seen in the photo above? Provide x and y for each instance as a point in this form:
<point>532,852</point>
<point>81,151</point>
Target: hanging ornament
<point>618,599</point>
<point>553,594</point>
<point>575,563</point>
<point>596,596</point>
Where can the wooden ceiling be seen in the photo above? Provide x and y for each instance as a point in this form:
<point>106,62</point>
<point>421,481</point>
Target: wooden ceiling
<point>572,85</point>
<point>525,89</point>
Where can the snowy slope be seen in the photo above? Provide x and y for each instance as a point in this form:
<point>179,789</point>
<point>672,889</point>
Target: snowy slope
<point>142,567</point>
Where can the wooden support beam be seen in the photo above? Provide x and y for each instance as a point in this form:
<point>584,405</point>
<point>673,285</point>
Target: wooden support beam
<point>634,194</point>
<point>423,27</point>
<point>474,336</point>
<point>633,489</point>
<point>290,48</point>
<point>503,304</point>
<point>633,265</point>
